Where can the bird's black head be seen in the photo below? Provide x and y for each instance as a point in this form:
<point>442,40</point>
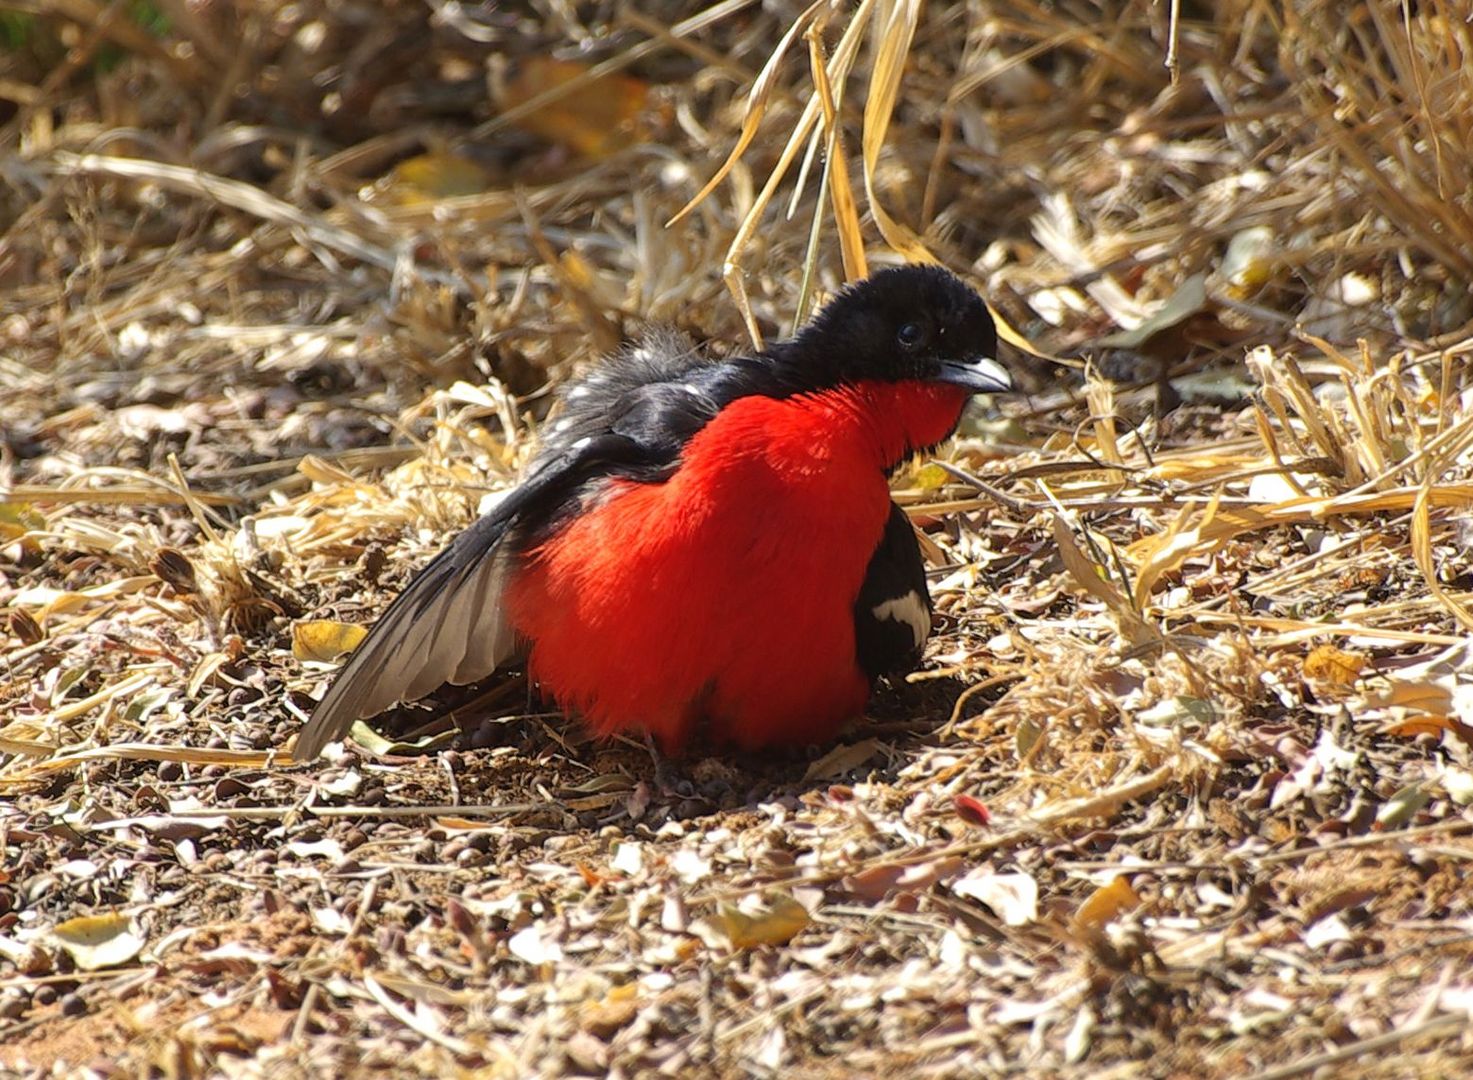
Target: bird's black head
<point>909,322</point>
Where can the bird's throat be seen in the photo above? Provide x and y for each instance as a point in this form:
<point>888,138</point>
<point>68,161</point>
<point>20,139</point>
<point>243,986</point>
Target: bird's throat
<point>889,421</point>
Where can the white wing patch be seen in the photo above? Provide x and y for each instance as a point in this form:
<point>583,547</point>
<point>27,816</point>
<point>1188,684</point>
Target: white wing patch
<point>909,609</point>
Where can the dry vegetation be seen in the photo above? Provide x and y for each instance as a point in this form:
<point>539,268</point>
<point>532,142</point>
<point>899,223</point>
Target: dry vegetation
<point>1182,789</point>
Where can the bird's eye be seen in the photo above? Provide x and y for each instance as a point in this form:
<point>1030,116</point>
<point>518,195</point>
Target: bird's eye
<point>910,335</point>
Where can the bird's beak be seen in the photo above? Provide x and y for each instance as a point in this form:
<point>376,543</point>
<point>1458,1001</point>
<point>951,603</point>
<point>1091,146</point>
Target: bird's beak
<point>980,375</point>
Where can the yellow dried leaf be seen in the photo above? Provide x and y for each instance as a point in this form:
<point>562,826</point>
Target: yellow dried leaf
<point>596,119</point>
<point>1435,724</point>
<point>18,518</point>
<point>1106,904</point>
<point>841,191</point>
<point>1088,575</point>
<point>1026,736</point>
<point>931,476</point>
<point>1249,262</point>
<point>897,24</point>
<point>204,671</point>
<point>325,640</point>
<point>98,941</point>
<point>841,759</point>
<point>436,175</point>
<point>578,271</point>
<point>778,924</point>
<point>618,1007</point>
<point>1421,694</point>
<point>1422,548</point>
<point>1096,580</point>
<point>1333,667</point>
<point>451,823</point>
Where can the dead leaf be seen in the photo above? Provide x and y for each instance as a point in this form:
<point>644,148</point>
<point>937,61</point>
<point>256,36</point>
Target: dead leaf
<point>437,175</point>
<point>1027,735</point>
<point>1403,806</point>
<point>1430,725</point>
<point>1012,897</point>
<point>757,96</point>
<point>451,823</point>
<point>1458,783</point>
<point>325,640</point>
<point>1326,932</point>
<point>877,882</point>
<point>204,671</point>
<point>95,942</point>
<point>841,759</point>
<point>931,476</point>
<point>1096,581</point>
<point>1105,905</point>
<point>1181,713</point>
<point>535,945</point>
<point>777,921</point>
<point>972,810</point>
<point>619,1006</point>
<point>379,746</point>
<point>1189,299</point>
<point>1248,264</point>
<point>595,119</point>
<point>1081,1036</point>
<point>18,518</point>
<point>326,848</point>
<point>1333,667</point>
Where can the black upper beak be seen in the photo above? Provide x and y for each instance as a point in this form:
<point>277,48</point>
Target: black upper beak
<point>980,375</point>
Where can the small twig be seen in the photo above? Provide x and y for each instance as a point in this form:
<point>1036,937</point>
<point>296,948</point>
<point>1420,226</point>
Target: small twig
<point>277,813</point>
<point>1173,62</point>
<point>983,486</point>
<point>415,1022</point>
<point>969,693</point>
<point>164,495</point>
<point>304,1013</point>
<point>1107,802</point>
<point>1196,866</point>
<point>1369,840</point>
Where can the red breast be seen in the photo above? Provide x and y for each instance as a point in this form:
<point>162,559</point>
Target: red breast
<point>725,594</point>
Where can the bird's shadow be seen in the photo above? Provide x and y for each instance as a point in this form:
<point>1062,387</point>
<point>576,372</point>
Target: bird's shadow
<point>522,753</point>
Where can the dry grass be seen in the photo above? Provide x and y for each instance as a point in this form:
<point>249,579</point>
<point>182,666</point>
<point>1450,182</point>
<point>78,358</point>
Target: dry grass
<point>1182,788</point>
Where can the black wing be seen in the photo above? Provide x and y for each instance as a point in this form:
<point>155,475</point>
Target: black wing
<point>446,626</point>
<point>892,616</point>
<point>630,418</point>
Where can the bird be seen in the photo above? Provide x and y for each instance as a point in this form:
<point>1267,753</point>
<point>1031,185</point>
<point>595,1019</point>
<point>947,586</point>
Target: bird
<point>704,547</point>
